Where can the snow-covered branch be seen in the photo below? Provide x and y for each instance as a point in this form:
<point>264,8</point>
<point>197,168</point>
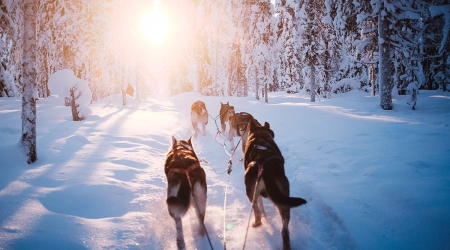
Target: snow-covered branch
<point>442,10</point>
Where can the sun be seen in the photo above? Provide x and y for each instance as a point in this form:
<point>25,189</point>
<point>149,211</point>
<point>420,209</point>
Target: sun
<point>155,26</point>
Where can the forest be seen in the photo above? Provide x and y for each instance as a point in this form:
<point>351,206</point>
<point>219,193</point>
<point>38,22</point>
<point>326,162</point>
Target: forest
<point>356,92</point>
<point>233,47</point>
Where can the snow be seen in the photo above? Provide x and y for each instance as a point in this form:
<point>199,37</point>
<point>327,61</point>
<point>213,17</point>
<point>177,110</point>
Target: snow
<point>345,85</point>
<point>373,179</point>
<point>62,81</point>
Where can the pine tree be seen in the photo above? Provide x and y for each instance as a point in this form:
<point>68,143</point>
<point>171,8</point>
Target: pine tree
<point>368,43</point>
<point>237,79</point>
<point>11,23</point>
<point>258,37</point>
<point>289,64</point>
<point>312,42</point>
<point>238,84</point>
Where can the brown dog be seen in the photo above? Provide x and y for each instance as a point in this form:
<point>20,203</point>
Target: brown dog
<point>226,111</point>
<point>199,114</point>
<point>186,185</point>
<point>238,127</point>
<point>265,176</point>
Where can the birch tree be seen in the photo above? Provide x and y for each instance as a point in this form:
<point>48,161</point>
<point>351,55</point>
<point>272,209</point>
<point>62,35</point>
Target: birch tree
<point>29,95</point>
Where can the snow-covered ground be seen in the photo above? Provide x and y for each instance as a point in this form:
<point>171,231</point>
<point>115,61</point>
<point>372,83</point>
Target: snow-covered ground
<point>373,179</point>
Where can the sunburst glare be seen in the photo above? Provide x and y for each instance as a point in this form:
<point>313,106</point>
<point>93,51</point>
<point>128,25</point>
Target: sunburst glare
<point>155,26</point>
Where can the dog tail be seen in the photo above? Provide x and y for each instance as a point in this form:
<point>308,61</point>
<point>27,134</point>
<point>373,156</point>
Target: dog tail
<point>274,192</point>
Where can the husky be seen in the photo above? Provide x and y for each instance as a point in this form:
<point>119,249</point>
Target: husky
<point>226,111</point>
<point>264,166</point>
<point>186,185</point>
<point>238,127</point>
<point>199,114</point>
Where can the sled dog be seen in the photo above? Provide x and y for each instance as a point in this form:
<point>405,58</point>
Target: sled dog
<point>263,161</point>
<point>238,127</point>
<point>199,114</point>
<point>226,111</point>
<point>186,185</point>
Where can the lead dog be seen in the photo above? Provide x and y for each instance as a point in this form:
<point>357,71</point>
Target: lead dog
<point>263,161</point>
<point>199,114</point>
<point>186,185</point>
<point>239,127</point>
<point>226,111</point>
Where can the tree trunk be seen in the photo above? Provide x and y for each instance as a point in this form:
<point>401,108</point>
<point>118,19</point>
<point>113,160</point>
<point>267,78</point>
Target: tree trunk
<point>124,87</point>
<point>444,71</point>
<point>144,87</point>
<point>138,87</point>
<point>73,106</point>
<point>385,63</point>
<point>313,84</point>
<point>266,98</point>
<point>245,87</point>
<point>124,96</point>
<point>256,85</point>
<point>29,96</point>
<point>372,79</point>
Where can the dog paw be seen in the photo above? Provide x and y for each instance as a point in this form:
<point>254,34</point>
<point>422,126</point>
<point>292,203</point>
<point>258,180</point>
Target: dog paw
<point>256,224</point>
<point>201,231</point>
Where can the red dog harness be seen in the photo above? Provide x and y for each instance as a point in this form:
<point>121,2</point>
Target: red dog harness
<point>185,171</point>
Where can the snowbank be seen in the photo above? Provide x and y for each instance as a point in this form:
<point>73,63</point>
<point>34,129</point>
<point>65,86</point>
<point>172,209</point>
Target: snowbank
<point>63,81</point>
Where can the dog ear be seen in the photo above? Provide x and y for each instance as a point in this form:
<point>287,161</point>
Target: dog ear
<point>190,141</point>
<point>266,125</point>
<point>221,104</point>
<point>228,103</point>
<point>252,125</point>
<point>174,141</point>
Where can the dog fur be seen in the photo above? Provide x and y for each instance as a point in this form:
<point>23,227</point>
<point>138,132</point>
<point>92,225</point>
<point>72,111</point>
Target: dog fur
<point>180,195</point>
<point>263,154</point>
<point>199,114</point>
<point>238,127</point>
<point>226,111</point>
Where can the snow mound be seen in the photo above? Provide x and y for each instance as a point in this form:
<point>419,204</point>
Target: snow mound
<point>62,81</point>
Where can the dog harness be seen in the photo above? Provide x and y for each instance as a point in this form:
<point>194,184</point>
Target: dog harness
<point>188,170</point>
<point>240,119</point>
<point>185,171</point>
<point>260,164</point>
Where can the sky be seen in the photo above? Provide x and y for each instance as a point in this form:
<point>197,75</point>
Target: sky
<point>373,179</point>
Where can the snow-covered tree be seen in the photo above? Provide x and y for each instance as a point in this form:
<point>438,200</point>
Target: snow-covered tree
<point>313,46</point>
<point>65,84</point>
<point>11,48</point>
<point>385,10</point>
<point>237,81</point>
<point>401,53</point>
<point>436,44</point>
<point>258,39</point>
<point>30,94</point>
<point>367,44</point>
<point>287,43</point>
